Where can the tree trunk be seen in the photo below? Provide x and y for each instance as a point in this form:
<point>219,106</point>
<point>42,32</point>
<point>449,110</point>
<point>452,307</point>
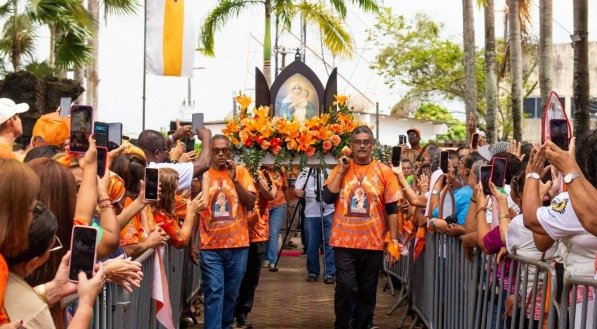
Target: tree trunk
<point>580,85</point>
<point>490,72</point>
<point>470,72</point>
<point>92,68</point>
<point>515,44</point>
<point>267,43</point>
<point>545,49</point>
<point>79,76</point>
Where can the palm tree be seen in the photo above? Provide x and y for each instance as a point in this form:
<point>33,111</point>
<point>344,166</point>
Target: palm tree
<point>334,35</point>
<point>67,21</point>
<point>581,68</point>
<point>545,49</point>
<point>490,71</point>
<point>470,67</point>
<point>515,44</point>
<point>121,7</point>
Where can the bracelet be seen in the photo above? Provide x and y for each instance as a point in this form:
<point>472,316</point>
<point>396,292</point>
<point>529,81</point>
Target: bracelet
<point>41,292</point>
<point>435,192</point>
<point>106,199</point>
<point>479,210</point>
<point>504,216</point>
<point>406,188</point>
<point>473,200</point>
<point>106,206</point>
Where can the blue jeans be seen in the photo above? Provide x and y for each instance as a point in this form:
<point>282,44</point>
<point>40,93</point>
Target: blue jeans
<point>276,219</point>
<point>222,271</point>
<point>313,230</point>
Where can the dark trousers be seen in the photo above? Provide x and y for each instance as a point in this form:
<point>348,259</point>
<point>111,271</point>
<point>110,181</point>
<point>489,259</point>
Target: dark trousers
<point>357,272</point>
<point>246,294</point>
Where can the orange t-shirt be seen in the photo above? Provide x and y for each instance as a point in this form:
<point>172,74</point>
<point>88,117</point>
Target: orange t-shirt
<point>281,183</point>
<point>171,225</point>
<point>3,281</point>
<point>359,219</point>
<point>258,219</point>
<point>133,232</point>
<point>7,153</point>
<point>223,224</point>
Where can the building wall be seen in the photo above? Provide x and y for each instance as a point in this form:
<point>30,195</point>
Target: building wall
<point>562,79</point>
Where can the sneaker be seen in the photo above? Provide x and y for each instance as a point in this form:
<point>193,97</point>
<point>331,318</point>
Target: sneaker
<point>243,322</point>
<point>329,280</point>
<point>273,268</point>
<point>311,278</point>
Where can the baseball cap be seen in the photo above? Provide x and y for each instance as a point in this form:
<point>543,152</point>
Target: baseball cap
<point>488,151</point>
<point>415,130</point>
<point>53,128</point>
<point>8,109</point>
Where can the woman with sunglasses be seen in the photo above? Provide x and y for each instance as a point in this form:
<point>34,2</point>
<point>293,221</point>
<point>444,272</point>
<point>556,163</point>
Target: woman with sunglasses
<point>24,302</point>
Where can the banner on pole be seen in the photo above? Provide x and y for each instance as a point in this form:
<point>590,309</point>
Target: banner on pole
<point>172,29</point>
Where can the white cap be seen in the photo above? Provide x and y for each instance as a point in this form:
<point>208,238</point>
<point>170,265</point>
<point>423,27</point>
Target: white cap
<point>8,109</point>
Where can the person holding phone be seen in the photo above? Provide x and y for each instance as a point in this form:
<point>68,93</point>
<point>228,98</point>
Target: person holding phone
<point>358,256</point>
<point>155,147</point>
<point>11,127</point>
<point>277,213</point>
<point>224,234</point>
<point>23,302</point>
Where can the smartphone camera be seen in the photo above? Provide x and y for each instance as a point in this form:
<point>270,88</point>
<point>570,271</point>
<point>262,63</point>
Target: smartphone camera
<point>484,177</point>
<point>151,183</point>
<point>80,129</point>
<point>396,154</point>
<point>83,252</point>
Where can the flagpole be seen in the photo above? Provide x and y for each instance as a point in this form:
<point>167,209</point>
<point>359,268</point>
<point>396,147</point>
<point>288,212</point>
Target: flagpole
<point>144,62</point>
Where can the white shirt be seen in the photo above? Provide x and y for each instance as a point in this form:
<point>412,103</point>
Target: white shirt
<point>579,246</point>
<point>312,206</point>
<point>185,172</point>
<point>490,207</point>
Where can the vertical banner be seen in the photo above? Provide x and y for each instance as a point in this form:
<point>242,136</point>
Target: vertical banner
<point>172,29</point>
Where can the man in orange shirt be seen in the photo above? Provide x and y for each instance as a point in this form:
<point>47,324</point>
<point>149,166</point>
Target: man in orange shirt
<point>258,241</point>
<point>11,126</point>
<point>224,232</point>
<point>365,193</point>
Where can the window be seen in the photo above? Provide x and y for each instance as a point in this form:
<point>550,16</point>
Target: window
<point>532,107</point>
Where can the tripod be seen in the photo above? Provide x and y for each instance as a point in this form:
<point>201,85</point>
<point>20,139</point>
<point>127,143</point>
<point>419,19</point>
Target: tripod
<point>319,198</point>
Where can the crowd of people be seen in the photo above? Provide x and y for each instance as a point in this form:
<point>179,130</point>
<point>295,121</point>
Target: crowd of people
<point>354,214</point>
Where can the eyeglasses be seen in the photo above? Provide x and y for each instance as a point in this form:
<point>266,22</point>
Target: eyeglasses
<point>164,150</point>
<point>218,151</point>
<point>362,142</point>
<point>57,245</point>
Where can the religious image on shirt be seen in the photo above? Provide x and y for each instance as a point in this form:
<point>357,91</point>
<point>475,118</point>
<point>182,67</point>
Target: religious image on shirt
<point>358,204</point>
<point>220,206</point>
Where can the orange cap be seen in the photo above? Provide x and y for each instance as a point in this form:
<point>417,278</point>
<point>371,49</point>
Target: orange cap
<point>53,128</point>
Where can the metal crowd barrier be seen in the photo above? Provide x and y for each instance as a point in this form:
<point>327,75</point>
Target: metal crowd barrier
<point>117,308</point>
<point>444,289</point>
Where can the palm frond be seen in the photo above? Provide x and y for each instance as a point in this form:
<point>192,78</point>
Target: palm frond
<point>72,51</point>
<point>285,11</point>
<point>216,18</point>
<point>7,8</point>
<point>120,7</point>
<point>525,15</point>
<point>370,6</point>
<point>339,6</point>
<point>18,37</point>
<point>334,36</point>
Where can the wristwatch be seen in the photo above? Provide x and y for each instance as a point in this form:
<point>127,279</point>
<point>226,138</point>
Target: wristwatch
<point>533,175</point>
<point>570,177</point>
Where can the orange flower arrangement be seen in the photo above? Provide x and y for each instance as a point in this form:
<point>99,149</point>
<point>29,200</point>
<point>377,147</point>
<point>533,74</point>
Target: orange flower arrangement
<point>255,134</point>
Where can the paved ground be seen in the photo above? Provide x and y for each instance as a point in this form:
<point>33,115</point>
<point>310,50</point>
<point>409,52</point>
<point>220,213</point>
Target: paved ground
<point>285,300</point>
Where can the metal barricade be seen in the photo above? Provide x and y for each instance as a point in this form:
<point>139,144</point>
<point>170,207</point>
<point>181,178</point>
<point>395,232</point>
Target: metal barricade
<point>117,308</point>
<point>578,297</point>
<point>447,290</point>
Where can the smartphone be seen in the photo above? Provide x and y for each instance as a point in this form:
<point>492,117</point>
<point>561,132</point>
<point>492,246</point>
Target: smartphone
<point>189,143</point>
<point>396,154</point>
<point>100,133</point>
<point>402,139</point>
<point>65,106</point>
<point>102,157</point>
<point>151,183</point>
<point>558,130</point>
<point>83,252</point>
<point>115,134</point>
<point>197,122</point>
<point>443,161</point>
<point>484,177</point>
<point>80,128</point>
<point>474,141</point>
<point>498,171</point>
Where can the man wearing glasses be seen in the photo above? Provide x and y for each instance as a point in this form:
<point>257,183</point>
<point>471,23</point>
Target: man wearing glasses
<point>155,147</point>
<point>363,191</point>
<point>230,194</point>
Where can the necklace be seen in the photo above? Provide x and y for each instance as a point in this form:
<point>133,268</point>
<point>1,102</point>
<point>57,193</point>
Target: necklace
<point>360,177</point>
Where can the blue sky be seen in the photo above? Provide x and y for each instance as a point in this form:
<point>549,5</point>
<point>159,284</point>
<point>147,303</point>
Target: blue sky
<point>238,51</point>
